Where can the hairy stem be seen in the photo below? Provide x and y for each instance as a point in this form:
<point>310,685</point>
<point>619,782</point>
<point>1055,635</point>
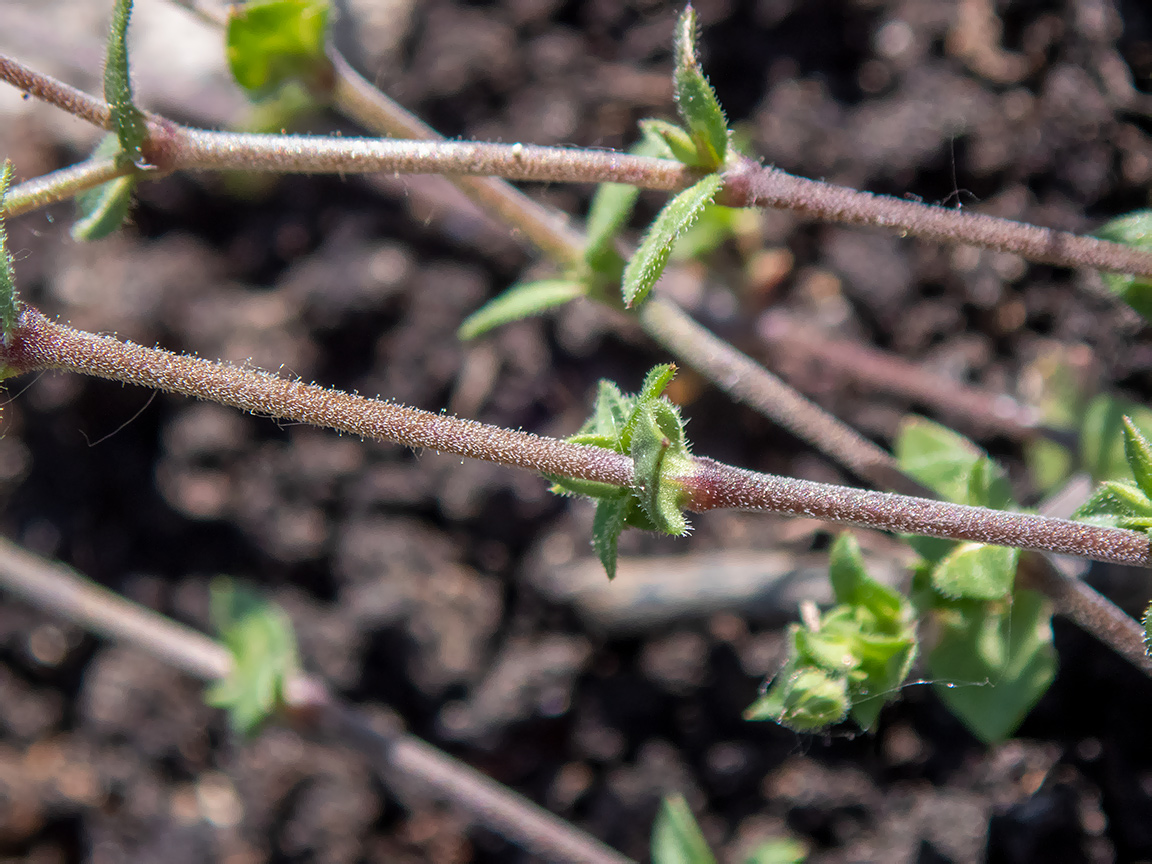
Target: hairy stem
<point>41,344</point>
<point>58,589</point>
<point>717,485</point>
<point>64,184</point>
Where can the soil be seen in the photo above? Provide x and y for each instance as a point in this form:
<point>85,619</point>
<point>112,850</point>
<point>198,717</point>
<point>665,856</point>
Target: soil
<point>444,591</point>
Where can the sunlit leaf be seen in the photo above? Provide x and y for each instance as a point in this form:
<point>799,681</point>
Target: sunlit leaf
<point>275,41</point>
<point>127,120</point>
<point>520,301</point>
<point>676,838</point>
<point>976,571</point>
<point>650,259</point>
<point>992,663</point>
<point>695,98</point>
<point>1134,230</point>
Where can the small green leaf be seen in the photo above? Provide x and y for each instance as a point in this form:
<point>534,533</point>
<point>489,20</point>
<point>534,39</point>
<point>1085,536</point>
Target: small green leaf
<point>1139,454</point>
<point>650,259</point>
<point>676,838</point>
<point>102,210</point>
<point>606,528</point>
<point>1134,230</point>
<point>781,850</point>
<point>127,120</point>
<point>660,454</point>
<point>992,664</point>
<point>695,98</point>
<point>671,142</point>
<point>938,457</point>
<point>1102,436</point>
<point>854,587</point>
<point>805,700</point>
<point>611,207</point>
<point>275,41</point>
<point>260,639</point>
<point>976,571</point>
<point>1148,630</point>
<point>1112,502</point>
<point>520,301</point>
<point>9,306</point>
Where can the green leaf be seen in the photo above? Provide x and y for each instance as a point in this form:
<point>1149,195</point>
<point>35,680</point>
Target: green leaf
<point>976,571</point>
<point>520,301</point>
<point>676,838</point>
<point>695,98</point>
<point>260,639</point>
<point>938,457</point>
<point>611,208</point>
<point>716,225</point>
<point>9,306</point>
<point>993,663</point>
<point>1134,230</point>
<point>127,120</point>
<point>1112,502</point>
<point>780,850</point>
<point>102,210</point>
<point>671,142</point>
<point>805,700</point>
<point>660,454</point>
<point>275,41</point>
<point>652,256</point>
<point>1102,436</point>
<point>1139,454</point>
<point>854,587</point>
<point>606,528</point>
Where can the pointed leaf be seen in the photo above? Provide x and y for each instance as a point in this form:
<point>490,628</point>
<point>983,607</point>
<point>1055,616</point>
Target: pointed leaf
<point>671,141</point>
<point>976,571</point>
<point>275,41</point>
<point>660,454</point>
<point>520,301</point>
<point>695,98</point>
<point>1134,230</point>
<point>611,208</point>
<point>9,307</point>
<point>1112,501</point>
<point>779,850</point>
<point>606,528</point>
<point>994,664</point>
<point>650,259</point>
<point>103,210</point>
<point>1139,453</point>
<point>127,120</point>
<point>676,838</point>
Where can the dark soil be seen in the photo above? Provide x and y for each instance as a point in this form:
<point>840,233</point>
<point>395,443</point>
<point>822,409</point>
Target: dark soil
<point>438,589</point>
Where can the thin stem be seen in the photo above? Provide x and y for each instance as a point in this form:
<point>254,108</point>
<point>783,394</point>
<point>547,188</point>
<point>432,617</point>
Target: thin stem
<point>41,344</point>
<point>717,485</point>
<point>55,588</point>
<point>762,186</point>
<point>63,184</point>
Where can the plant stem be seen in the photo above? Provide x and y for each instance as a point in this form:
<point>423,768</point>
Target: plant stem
<point>754,185</point>
<point>58,589</point>
<point>748,185</point>
<point>41,344</point>
<point>63,184</point>
<point>717,485</point>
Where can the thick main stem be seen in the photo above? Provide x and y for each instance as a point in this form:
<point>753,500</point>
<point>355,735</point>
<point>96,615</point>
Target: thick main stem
<point>41,344</point>
<point>717,485</point>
